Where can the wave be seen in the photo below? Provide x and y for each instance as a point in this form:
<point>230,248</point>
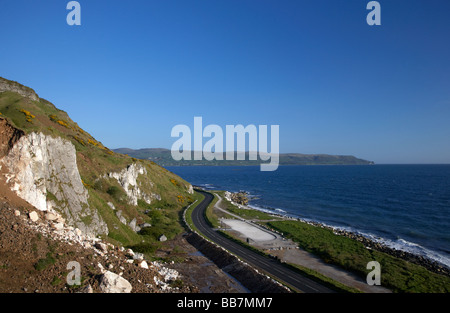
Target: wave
<point>208,186</point>
<point>398,244</point>
<point>415,248</point>
<point>401,245</point>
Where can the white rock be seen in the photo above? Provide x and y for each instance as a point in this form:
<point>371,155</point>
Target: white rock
<point>50,216</point>
<point>17,213</point>
<point>113,283</point>
<point>144,264</point>
<point>102,269</point>
<point>43,164</point>
<point>33,216</point>
<point>101,246</point>
<point>129,253</point>
<point>58,226</point>
<point>138,256</point>
<point>127,178</point>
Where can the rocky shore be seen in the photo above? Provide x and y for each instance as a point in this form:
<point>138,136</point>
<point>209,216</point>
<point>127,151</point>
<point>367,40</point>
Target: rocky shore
<point>429,264</point>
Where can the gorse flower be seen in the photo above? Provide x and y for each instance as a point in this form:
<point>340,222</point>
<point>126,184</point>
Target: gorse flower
<point>29,117</point>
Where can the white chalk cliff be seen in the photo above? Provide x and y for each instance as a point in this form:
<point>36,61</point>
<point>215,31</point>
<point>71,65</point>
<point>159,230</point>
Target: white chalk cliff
<point>43,171</point>
<point>128,179</point>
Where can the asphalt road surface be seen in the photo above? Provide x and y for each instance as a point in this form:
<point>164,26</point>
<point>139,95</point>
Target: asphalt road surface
<point>265,264</point>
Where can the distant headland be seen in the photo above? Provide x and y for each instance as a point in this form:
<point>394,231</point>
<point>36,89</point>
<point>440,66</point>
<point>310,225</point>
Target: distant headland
<point>164,158</point>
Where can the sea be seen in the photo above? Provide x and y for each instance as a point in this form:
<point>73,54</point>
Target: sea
<point>406,207</point>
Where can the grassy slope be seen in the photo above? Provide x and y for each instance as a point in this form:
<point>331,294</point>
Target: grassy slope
<point>94,160</point>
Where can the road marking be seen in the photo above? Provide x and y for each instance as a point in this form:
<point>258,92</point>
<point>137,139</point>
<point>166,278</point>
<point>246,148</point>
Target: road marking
<point>256,260</point>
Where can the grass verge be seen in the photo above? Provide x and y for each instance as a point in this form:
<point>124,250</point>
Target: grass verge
<point>213,220</point>
<point>396,274</point>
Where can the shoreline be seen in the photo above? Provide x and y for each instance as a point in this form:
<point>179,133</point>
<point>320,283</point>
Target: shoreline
<point>424,261</point>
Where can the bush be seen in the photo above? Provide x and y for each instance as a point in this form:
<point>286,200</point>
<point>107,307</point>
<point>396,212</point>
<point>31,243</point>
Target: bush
<point>117,193</point>
<point>42,264</point>
<point>145,247</point>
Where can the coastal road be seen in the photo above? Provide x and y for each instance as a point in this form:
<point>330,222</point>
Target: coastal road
<point>265,264</point>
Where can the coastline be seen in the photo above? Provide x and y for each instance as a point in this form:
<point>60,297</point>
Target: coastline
<point>378,245</point>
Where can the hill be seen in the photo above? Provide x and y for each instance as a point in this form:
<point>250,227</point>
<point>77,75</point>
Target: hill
<point>164,158</point>
<point>56,166</point>
<point>65,197</point>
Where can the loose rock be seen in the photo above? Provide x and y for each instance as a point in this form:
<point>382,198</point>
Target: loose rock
<point>34,217</point>
<point>113,283</point>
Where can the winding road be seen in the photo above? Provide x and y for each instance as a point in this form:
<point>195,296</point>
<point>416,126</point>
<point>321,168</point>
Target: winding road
<point>263,263</point>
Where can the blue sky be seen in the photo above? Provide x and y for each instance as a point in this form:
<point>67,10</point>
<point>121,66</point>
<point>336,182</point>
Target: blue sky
<point>335,85</point>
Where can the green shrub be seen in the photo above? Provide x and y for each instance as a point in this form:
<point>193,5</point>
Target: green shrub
<point>145,247</point>
<point>117,193</point>
<point>42,264</point>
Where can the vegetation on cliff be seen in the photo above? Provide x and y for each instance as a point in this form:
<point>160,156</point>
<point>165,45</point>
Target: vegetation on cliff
<point>168,193</point>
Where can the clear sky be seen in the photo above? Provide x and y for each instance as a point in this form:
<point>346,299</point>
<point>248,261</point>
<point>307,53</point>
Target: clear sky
<point>334,84</point>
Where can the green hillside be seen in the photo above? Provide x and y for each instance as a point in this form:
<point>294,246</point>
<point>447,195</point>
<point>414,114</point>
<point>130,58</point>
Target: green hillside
<point>94,161</point>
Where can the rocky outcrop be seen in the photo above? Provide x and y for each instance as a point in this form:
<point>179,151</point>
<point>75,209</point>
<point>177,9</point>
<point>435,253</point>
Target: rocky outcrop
<point>43,171</point>
<point>8,85</point>
<point>240,198</point>
<point>128,179</point>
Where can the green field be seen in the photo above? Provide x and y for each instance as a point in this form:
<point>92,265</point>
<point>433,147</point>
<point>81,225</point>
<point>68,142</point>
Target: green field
<point>396,274</point>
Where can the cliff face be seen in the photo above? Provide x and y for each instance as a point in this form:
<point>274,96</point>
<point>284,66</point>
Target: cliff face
<point>53,164</point>
<point>43,171</point>
<point>128,179</point>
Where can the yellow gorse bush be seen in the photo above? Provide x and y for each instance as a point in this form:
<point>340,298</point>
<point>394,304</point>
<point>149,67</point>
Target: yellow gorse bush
<point>81,141</point>
<point>29,117</point>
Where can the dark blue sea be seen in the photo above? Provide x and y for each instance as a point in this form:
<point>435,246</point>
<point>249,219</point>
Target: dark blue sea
<point>406,207</point>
